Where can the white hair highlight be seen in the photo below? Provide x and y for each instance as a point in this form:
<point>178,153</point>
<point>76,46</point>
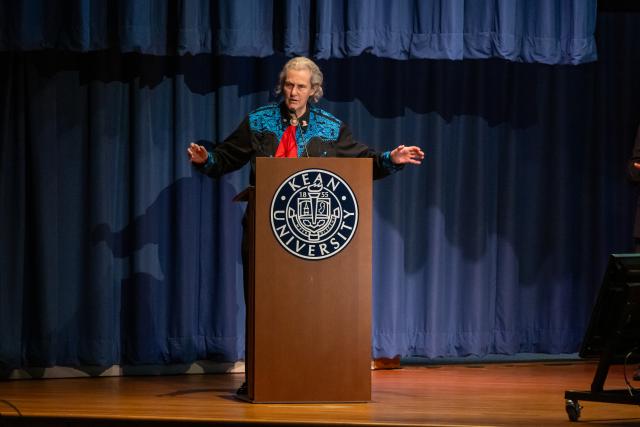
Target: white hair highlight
<point>303,63</point>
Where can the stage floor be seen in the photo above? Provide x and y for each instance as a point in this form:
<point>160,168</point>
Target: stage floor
<point>497,394</point>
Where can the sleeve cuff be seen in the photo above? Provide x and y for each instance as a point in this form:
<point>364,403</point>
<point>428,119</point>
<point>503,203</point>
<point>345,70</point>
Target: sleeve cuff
<point>207,165</point>
<point>388,164</point>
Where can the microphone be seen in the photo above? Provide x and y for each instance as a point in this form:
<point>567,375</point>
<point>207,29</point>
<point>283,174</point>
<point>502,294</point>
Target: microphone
<point>294,122</point>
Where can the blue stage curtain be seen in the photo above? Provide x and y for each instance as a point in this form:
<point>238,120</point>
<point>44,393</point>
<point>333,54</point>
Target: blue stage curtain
<point>113,250</point>
<point>546,31</point>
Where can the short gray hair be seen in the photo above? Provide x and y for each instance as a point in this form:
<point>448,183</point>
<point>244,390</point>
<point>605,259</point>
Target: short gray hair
<point>302,63</point>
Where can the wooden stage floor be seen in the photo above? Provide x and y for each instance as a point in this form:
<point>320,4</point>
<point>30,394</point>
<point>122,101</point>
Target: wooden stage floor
<point>497,394</point>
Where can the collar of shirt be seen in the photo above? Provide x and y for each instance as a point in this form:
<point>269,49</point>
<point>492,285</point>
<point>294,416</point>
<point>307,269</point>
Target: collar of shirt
<point>303,120</point>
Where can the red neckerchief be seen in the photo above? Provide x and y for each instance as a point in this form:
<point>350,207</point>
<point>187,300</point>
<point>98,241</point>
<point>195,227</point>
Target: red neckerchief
<point>288,146</point>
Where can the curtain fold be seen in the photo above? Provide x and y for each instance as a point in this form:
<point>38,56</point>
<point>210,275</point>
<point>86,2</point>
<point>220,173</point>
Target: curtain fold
<point>546,31</point>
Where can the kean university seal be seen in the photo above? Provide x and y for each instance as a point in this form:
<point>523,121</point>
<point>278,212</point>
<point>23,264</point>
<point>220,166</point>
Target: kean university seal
<point>314,214</point>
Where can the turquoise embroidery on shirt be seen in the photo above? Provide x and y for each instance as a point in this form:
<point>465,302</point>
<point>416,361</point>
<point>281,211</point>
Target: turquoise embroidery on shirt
<point>267,119</point>
<point>323,125</point>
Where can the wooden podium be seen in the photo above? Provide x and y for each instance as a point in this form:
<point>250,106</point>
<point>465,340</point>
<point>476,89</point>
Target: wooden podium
<point>309,306</point>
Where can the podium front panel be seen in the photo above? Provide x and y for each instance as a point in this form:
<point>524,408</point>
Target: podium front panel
<point>311,326</point>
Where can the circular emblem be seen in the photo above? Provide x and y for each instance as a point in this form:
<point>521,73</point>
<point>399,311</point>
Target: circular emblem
<point>314,214</point>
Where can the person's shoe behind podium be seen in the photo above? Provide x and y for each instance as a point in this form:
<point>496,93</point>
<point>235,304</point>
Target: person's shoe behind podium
<point>243,390</point>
